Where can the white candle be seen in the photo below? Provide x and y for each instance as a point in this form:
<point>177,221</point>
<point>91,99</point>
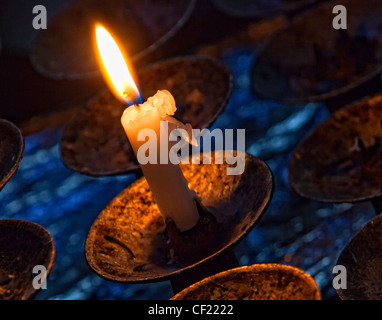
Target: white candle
<point>167,183</point>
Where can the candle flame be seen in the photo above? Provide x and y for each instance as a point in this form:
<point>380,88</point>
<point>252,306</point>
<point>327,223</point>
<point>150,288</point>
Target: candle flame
<point>114,66</point>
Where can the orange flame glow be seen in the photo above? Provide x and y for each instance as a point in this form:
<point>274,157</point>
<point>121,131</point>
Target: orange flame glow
<point>114,66</point>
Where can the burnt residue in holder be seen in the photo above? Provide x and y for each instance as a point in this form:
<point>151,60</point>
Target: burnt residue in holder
<point>127,242</point>
<point>11,150</point>
<point>65,49</point>
<point>311,61</point>
<point>362,258</point>
<point>94,141</point>
<point>23,245</point>
<point>256,282</point>
<point>341,160</point>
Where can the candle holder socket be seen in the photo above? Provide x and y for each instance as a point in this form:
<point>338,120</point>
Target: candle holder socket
<point>65,49</point>
<point>340,160</point>
<point>125,243</point>
<point>362,258</point>
<point>256,282</point>
<point>23,245</point>
<point>11,150</point>
<point>321,62</point>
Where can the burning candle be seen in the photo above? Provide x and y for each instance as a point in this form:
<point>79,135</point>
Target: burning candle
<point>167,183</point>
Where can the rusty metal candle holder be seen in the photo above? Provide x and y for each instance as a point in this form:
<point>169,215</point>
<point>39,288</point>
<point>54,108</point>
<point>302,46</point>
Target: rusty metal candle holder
<point>340,161</point>
<point>95,143</point>
<point>128,242</point>
<point>311,61</point>
<point>11,150</point>
<point>362,258</point>
<point>23,245</point>
<point>256,282</point>
<point>65,49</point>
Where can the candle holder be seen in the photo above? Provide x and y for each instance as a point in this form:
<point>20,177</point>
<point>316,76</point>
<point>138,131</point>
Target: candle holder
<point>11,150</point>
<point>256,282</point>
<point>311,61</point>
<point>94,141</point>
<point>340,161</point>
<point>23,245</point>
<point>128,241</point>
<point>65,49</point>
<point>362,259</point>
